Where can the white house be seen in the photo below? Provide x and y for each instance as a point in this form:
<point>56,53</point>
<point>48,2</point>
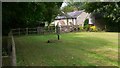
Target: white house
<point>71,21</point>
<point>71,18</point>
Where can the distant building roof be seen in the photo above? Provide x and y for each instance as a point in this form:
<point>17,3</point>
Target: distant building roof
<point>61,17</point>
<point>74,14</point>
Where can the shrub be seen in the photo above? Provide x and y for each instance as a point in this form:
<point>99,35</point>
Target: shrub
<point>81,28</point>
<point>94,29</point>
<point>86,27</point>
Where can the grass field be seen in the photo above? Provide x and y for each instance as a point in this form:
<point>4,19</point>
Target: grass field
<point>79,49</point>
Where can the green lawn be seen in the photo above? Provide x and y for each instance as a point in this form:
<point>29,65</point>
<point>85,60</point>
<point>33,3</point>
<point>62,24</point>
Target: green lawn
<point>79,49</point>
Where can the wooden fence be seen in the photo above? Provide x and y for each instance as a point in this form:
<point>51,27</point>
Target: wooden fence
<point>11,49</point>
<point>38,30</point>
<point>71,28</point>
<point>44,30</point>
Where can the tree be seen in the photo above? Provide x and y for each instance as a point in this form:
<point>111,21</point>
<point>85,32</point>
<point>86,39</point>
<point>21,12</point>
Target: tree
<point>69,9</point>
<point>108,11</point>
<point>52,10</point>
<point>27,14</point>
<point>72,6</point>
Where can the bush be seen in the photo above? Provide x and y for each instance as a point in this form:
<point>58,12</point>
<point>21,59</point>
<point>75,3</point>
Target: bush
<point>81,28</point>
<point>94,29</point>
<point>86,27</point>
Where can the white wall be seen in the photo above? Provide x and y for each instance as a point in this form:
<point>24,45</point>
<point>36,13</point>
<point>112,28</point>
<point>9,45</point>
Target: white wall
<point>74,21</point>
<point>65,21</point>
<point>81,18</point>
<point>70,20</point>
<point>91,19</point>
<point>56,21</point>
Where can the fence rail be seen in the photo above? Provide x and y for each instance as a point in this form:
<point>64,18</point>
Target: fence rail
<point>11,47</point>
<point>38,30</point>
<point>70,28</point>
<point>44,30</point>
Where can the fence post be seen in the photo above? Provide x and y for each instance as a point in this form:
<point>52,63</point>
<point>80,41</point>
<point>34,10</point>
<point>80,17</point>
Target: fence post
<point>11,45</point>
<point>26,31</point>
<point>13,52</point>
<point>19,31</point>
<point>38,30</point>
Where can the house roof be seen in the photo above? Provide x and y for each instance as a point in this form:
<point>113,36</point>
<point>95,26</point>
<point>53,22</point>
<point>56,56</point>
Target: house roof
<point>70,15</point>
<point>74,14</point>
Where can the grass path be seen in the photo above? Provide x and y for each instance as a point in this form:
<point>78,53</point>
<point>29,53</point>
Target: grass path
<point>80,49</point>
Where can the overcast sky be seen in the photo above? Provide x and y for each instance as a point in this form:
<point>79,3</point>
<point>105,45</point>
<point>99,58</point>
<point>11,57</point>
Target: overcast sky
<point>63,4</point>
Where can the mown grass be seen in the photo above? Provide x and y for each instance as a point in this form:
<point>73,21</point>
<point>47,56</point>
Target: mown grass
<point>79,49</point>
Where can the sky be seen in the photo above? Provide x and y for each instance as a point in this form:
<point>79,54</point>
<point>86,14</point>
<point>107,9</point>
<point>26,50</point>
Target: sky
<point>63,4</point>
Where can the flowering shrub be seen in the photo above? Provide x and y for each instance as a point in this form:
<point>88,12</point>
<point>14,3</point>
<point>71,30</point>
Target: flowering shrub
<point>93,28</point>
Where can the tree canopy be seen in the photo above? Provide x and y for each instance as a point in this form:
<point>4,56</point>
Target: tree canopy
<point>72,6</point>
<point>109,11</point>
<point>27,14</point>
